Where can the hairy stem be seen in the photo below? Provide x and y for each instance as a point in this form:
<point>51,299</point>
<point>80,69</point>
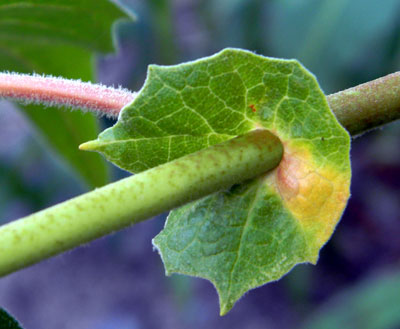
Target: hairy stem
<point>358,109</point>
<point>369,105</point>
<point>63,92</point>
<point>136,198</point>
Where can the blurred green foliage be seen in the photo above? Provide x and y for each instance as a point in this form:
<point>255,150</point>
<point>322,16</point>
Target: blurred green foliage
<point>7,321</point>
<point>59,38</point>
<point>370,304</point>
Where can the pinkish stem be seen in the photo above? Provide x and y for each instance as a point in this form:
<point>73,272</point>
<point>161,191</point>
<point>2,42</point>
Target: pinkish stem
<point>358,109</point>
<point>64,92</point>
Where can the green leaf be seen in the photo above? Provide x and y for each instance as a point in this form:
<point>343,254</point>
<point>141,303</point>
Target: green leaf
<point>238,239</point>
<point>59,38</point>
<point>255,232</point>
<point>370,304</point>
<point>7,321</point>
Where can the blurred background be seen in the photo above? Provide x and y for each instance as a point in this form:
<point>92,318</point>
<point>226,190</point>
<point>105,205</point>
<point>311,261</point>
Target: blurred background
<point>118,281</point>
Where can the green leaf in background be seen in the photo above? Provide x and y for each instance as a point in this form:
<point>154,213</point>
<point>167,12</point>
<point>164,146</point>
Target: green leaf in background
<point>59,37</point>
<point>336,32</point>
<point>256,232</point>
<point>371,304</point>
<point>7,321</point>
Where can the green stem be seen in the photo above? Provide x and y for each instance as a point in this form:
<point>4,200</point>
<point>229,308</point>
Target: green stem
<point>136,198</point>
<point>369,105</point>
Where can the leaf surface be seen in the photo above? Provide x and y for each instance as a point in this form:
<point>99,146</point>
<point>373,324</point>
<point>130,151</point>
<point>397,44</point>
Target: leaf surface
<point>59,38</point>
<point>255,232</point>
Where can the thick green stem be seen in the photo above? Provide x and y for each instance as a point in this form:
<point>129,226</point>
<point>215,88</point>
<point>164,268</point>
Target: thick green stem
<point>136,198</point>
<point>369,105</point>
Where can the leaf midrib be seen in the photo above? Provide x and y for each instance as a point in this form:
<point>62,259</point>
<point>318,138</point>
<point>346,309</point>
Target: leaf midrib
<point>243,233</point>
<point>103,142</point>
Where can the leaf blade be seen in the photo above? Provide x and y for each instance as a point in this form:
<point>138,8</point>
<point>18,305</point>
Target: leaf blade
<point>231,93</point>
<point>233,240</point>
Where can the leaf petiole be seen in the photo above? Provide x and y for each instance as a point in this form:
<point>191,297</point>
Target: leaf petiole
<point>51,91</point>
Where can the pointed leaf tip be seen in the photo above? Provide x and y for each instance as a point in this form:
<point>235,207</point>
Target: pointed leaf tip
<point>88,146</point>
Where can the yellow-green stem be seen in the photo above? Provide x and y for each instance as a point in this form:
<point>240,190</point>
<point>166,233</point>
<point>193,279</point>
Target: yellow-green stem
<point>369,105</point>
<point>136,198</point>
